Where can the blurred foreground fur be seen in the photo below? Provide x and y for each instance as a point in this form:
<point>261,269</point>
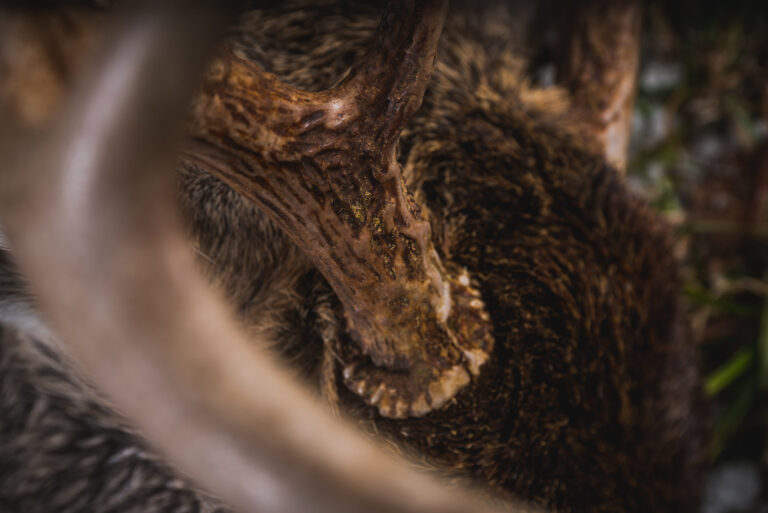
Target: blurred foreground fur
<point>592,401</point>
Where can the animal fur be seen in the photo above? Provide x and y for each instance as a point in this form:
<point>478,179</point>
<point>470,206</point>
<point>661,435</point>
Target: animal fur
<point>592,400</point>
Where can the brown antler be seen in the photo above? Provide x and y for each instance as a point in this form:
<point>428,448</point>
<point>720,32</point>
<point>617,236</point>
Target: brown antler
<point>600,69</point>
<point>323,166</point>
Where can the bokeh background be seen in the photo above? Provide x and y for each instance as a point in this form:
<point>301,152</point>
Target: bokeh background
<point>699,154</point>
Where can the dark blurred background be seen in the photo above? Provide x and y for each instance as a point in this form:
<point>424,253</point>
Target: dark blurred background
<point>699,154</point>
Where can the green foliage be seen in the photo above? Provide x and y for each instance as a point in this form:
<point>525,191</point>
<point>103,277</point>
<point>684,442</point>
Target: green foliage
<point>700,155</point>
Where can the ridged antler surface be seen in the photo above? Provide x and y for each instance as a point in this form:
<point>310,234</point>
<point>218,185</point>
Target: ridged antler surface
<point>323,166</point>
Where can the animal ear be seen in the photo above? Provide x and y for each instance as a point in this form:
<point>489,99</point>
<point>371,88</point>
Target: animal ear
<point>323,167</point>
<point>598,64</point>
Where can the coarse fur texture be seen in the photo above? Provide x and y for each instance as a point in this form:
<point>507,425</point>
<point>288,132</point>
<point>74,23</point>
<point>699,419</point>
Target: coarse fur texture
<point>63,450</point>
<point>592,398</point>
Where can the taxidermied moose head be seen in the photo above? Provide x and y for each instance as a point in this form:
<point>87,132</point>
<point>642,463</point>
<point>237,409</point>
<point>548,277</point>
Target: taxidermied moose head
<point>448,257</point>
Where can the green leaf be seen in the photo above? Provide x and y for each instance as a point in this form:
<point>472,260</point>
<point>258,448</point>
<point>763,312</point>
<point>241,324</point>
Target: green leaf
<point>730,371</point>
<point>762,346</point>
<point>733,417</point>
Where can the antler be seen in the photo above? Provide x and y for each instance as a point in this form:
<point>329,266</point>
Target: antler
<point>88,214</point>
<point>600,69</point>
<point>323,166</point>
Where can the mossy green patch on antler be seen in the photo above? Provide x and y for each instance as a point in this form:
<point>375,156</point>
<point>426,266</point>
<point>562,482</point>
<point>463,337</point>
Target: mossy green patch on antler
<point>323,166</point>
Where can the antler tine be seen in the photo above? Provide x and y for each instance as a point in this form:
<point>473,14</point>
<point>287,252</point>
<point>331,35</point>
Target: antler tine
<point>600,69</point>
<point>323,166</point>
<point>392,77</point>
<point>89,218</point>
